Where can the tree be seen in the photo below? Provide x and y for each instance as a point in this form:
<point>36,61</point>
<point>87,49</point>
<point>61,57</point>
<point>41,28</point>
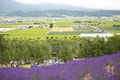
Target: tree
<point>92,47</point>
<point>51,25</point>
<point>42,51</point>
<point>99,46</point>
<point>113,44</point>
<point>65,54</point>
<point>3,50</point>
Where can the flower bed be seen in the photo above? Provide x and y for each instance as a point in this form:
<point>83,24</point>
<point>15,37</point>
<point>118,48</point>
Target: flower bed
<point>98,68</point>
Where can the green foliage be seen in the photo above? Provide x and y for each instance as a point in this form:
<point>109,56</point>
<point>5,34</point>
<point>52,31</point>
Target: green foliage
<point>65,52</point>
<point>113,44</point>
<point>65,49</point>
<point>3,50</point>
<point>42,52</point>
<point>99,46</point>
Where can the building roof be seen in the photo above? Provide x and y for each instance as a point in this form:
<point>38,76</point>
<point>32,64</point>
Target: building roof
<point>96,34</point>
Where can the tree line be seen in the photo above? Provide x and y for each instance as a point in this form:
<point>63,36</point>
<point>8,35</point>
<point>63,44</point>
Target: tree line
<point>37,50</point>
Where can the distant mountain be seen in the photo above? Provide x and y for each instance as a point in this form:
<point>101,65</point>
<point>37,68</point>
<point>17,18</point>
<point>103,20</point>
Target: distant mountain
<point>63,13</point>
<point>10,5</point>
<point>12,8</point>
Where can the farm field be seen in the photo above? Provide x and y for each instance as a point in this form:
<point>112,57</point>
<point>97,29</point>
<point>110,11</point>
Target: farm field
<point>61,27</point>
<point>31,33</point>
<point>36,32</point>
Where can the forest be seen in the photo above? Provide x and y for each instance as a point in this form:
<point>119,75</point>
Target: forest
<point>66,49</point>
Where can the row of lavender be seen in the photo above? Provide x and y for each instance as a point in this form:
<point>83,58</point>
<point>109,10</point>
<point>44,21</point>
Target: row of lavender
<point>98,68</point>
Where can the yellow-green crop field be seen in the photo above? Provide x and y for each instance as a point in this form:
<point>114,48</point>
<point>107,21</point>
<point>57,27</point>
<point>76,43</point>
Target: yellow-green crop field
<point>43,33</point>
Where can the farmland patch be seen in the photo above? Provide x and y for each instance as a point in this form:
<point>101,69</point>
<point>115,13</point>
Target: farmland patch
<point>62,29</point>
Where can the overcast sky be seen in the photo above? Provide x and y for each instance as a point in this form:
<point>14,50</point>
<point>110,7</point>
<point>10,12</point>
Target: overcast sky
<point>101,4</point>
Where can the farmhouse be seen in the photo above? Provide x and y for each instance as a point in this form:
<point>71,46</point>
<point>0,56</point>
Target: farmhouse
<point>28,26</point>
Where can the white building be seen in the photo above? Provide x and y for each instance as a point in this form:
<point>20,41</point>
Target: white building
<point>105,35</point>
<point>6,29</point>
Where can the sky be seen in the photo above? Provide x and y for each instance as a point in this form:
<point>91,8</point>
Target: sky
<point>97,4</point>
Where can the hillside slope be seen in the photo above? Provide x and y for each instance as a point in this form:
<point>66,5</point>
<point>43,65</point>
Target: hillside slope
<point>99,68</point>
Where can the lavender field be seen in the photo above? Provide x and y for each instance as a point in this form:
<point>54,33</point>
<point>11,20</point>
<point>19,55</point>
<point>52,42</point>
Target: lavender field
<point>98,68</point>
